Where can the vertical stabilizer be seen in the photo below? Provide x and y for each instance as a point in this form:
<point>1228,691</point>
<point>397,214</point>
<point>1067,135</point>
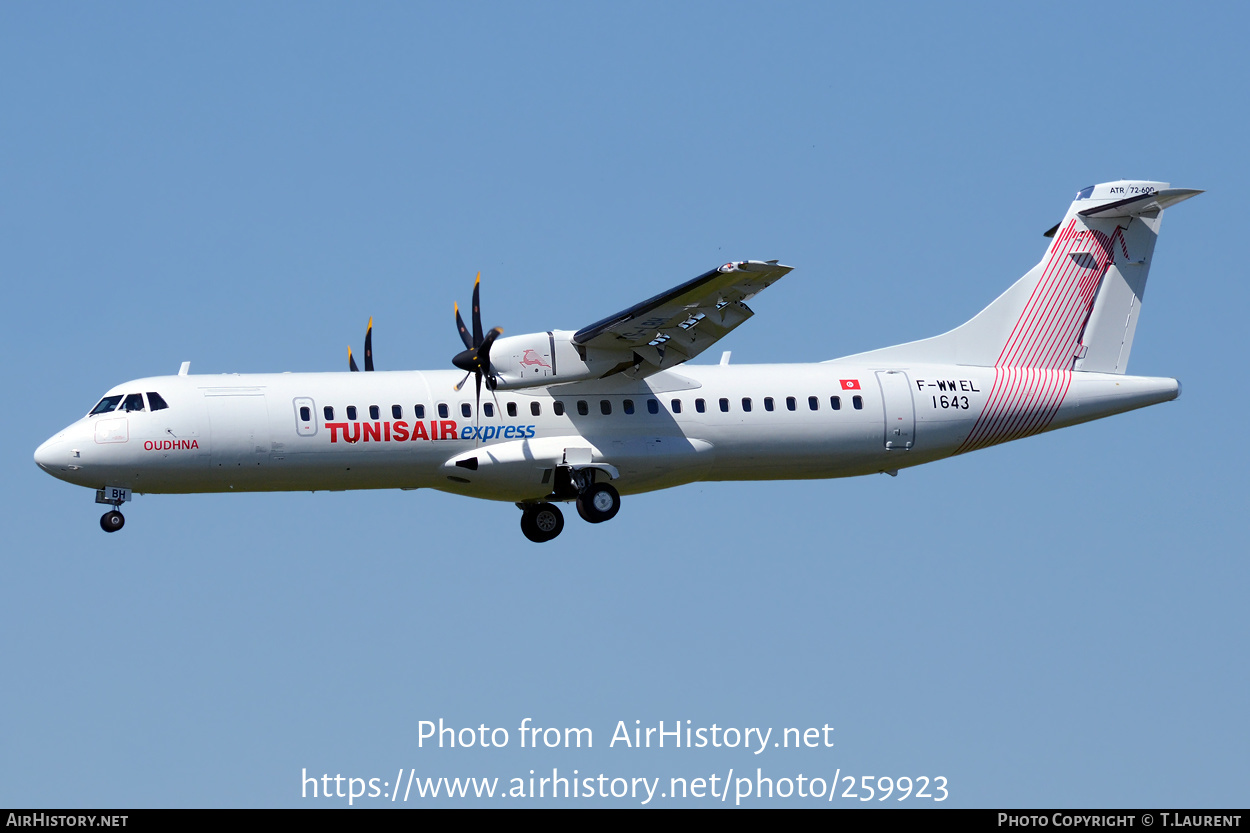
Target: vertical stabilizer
<point>1078,308</point>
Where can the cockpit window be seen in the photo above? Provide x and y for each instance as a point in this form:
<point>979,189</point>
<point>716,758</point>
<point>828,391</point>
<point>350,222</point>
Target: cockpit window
<point>155,402</point>
<point>134,402</point>
<point>107,404</point>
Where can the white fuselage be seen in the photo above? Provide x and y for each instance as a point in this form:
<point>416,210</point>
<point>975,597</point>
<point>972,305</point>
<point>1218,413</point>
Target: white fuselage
<point>294,431</point>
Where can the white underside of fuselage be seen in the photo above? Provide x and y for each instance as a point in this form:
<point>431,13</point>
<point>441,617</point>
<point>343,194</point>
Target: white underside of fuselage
<point>245,432</point>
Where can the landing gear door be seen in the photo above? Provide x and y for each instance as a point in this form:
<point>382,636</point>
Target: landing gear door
<point>900,411</point>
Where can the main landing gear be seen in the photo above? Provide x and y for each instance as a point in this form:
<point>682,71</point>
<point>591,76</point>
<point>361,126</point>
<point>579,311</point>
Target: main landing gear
<point>596,503</point>
<point>541,522</point>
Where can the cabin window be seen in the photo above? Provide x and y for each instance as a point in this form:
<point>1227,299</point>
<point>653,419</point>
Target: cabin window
<point>489,409</point>
<point>134,402</point>
<point>724,405</point>
<point>155,402</point>
<point>419,410</point>
<point>835,402</point>
<point>858,402</point>
<point>628,406</point>
<point>305,413</point>
<point>676,403</point>
<point>558,407</point>
<point>653,406</point>
<point>328,413</point>
<point>512,408</point>
<point>375,412</point>
<point>106,405</point>
<point>746,404</point>
<point>791,403</point>
<point>397,412</point>
<point>443,410</point>
<point>813,402</point>
<point>351,412</point>
<point>536,409</point>
<point>700,406</point>
<point>605,406</point>
<point>582,407</point>
<point>466,410</point>
<point>768,403</point>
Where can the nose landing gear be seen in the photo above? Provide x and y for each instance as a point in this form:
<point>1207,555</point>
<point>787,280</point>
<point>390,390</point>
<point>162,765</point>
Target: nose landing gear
<point>115,497</point>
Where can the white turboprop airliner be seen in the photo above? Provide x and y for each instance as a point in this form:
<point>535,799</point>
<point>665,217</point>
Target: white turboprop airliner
<point>610,409</point>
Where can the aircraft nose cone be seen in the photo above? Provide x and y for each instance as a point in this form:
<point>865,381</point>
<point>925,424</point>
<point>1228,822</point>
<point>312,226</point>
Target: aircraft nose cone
<point>53,456</point>
<point>45,454</point>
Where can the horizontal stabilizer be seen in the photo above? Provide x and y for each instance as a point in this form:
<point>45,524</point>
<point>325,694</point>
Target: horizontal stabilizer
<point>1141,204</point>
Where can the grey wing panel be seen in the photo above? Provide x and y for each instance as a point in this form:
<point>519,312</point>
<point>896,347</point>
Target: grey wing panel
<point>682,322</point>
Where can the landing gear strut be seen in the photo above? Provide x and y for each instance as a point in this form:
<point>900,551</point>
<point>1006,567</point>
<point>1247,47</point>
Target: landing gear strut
<point>541,522</point>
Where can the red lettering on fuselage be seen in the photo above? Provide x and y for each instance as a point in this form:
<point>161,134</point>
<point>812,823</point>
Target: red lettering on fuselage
<point>352,432</point>
<point>170,445</point>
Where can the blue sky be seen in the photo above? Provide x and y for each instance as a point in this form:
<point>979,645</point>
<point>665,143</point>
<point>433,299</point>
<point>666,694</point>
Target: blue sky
<point>1054,622</point>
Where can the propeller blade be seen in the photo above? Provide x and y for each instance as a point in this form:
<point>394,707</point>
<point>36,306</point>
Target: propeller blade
<point>460,384</point>
<point>351,363</point>
<point>483,355</point>
<point>477,311</point>
<point>369,345</point>
<point>464,331</point>
<point>477,411</point>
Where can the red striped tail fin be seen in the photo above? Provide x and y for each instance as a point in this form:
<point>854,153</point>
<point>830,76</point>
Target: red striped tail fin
<point>1075,310</point>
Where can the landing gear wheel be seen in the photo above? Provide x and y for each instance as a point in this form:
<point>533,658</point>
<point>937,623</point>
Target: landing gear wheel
<point>542,522</point>
<point>112,521</point>
<point>599,503</point>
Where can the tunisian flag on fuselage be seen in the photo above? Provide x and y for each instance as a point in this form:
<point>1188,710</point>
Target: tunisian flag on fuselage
<point>850,384</point>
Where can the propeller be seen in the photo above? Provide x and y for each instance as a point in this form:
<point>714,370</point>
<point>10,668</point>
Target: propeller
<point>351,362</point>
<point>475,358</point>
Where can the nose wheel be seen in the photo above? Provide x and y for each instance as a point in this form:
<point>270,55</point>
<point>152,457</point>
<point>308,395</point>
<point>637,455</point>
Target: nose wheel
<point>112,521</point>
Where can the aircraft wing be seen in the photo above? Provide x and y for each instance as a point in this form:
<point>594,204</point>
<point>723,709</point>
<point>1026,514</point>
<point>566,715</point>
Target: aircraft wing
<point>684,321</point>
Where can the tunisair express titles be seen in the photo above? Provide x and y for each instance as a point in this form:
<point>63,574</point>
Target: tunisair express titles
<point>446,429</point>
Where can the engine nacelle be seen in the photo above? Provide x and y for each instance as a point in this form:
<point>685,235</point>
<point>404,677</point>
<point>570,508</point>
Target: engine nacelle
<point>551,358</point>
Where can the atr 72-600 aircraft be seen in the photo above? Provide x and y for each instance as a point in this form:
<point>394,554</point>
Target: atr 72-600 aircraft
<point>612,409</point>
